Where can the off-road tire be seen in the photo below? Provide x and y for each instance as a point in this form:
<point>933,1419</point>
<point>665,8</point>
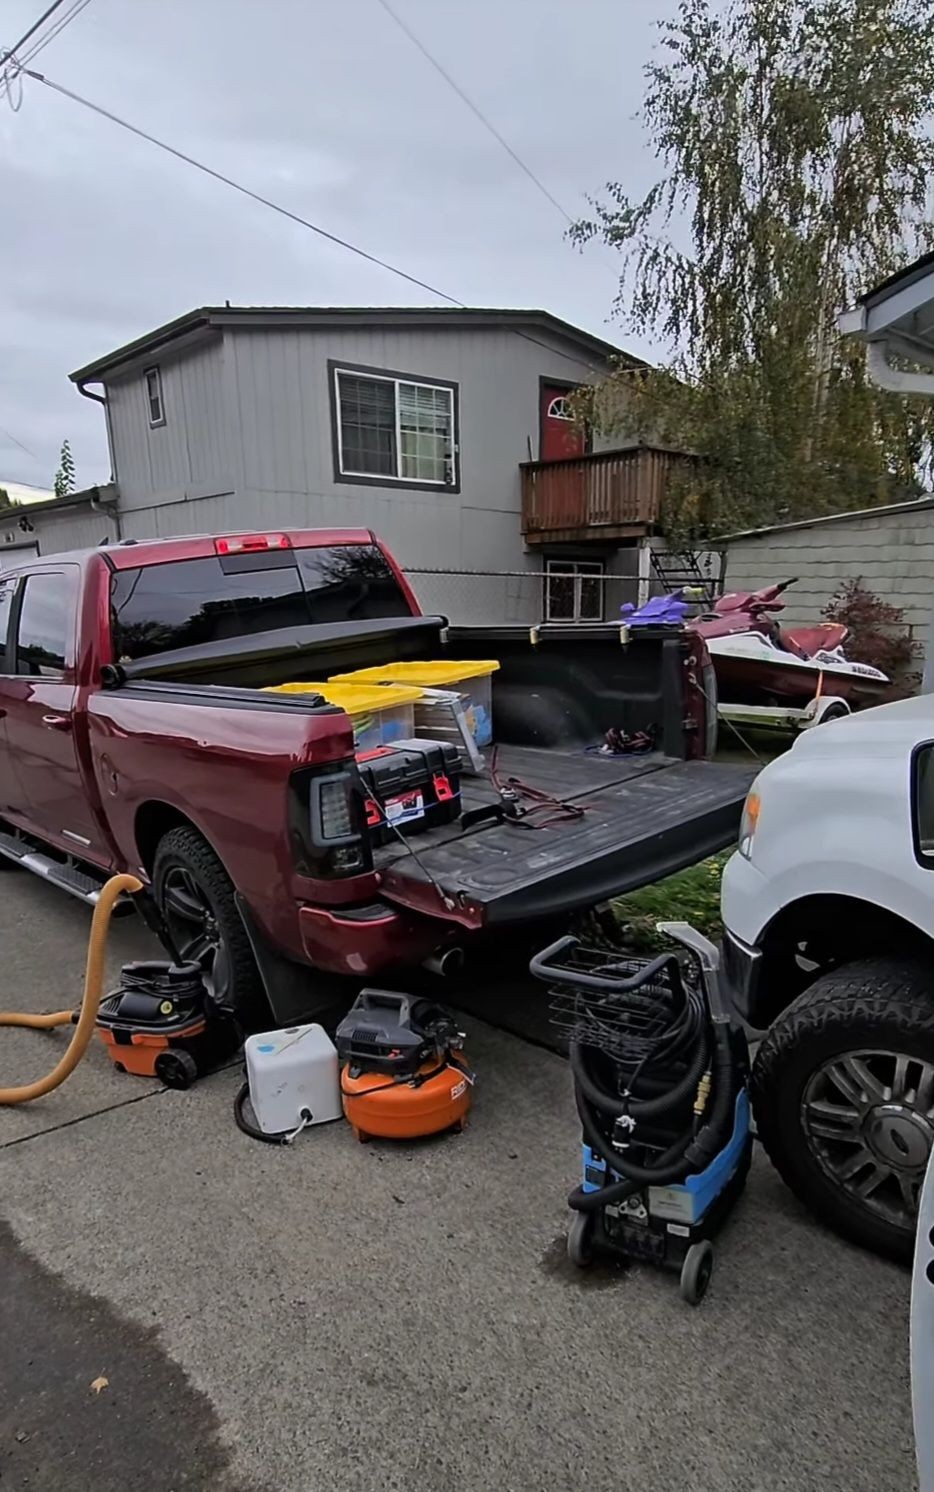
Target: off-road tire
<point>187,848</point>
<point>886,1003</point>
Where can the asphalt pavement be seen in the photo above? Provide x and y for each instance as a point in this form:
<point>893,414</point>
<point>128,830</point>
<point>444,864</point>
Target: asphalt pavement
<point>182,1308</point>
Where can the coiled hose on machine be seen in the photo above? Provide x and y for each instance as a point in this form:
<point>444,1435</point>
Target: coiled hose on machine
<point>87,1014</point>
<point>649,1079</point>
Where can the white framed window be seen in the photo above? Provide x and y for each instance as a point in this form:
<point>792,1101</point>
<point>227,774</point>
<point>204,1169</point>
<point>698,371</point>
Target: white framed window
<point>389,428</point>
<point>153,378</point>
<point>560,408</point>
<point>574,590</point>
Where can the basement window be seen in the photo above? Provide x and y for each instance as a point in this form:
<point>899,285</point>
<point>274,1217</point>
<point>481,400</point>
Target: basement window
<point>390,429</point>
<point>154,396</point>
<point>574,590</point>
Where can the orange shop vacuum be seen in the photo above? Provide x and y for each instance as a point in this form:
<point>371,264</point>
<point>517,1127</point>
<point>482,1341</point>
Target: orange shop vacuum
<point>403,1073</point>
<point>161,1022</point>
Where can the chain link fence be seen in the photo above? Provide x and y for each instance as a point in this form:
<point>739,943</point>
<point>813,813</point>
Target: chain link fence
<point>576,592</point>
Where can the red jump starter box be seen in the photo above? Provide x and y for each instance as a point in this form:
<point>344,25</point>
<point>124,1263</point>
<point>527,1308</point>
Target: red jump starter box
<point>410,787</point>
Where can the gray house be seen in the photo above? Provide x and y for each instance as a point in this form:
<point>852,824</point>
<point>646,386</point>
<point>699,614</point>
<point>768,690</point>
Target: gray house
<point>446,431</point>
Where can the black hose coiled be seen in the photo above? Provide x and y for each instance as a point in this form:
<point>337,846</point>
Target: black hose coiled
<point>651,1081</point>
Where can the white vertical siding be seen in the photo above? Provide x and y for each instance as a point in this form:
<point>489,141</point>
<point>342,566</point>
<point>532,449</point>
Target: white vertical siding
<point>250,415</point>
<point>190,453</point>
<point>285,441</point>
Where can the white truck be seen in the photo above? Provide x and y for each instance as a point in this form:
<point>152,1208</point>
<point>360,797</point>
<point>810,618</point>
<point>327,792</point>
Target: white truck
<point>828,907</point>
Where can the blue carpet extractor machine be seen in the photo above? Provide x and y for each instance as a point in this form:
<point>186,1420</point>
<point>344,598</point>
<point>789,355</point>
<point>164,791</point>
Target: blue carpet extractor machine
<point>660,1081</point>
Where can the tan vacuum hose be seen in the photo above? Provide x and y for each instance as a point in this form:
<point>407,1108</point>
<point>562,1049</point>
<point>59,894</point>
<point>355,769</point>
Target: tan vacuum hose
<point>93,991</point>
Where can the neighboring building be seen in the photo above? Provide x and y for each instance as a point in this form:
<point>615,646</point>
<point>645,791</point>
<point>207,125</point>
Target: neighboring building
<point>445,431</point>
<point>891,549</point>
<point>82,520</point>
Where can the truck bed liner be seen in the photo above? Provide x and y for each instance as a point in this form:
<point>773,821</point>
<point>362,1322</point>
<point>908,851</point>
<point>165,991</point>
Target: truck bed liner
<point>646,816</point>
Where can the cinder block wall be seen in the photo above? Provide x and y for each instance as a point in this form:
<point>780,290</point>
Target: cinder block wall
<point>892,550</point>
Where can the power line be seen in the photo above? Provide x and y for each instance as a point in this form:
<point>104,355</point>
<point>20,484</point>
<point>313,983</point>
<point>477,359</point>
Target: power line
<point>244,191</point>
<point>284,211</point>
<point>21,446</point>
<point>33,486</point>
<point>11,72</point>
<point>31,32</point>
<point>474,109</point>
<point>76,8</point>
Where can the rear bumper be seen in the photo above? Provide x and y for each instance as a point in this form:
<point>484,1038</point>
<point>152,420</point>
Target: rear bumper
<point>365,941</point>
<point>740,970</point>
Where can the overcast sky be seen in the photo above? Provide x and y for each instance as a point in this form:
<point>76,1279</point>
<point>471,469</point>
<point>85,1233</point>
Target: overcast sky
<point>326,106</point>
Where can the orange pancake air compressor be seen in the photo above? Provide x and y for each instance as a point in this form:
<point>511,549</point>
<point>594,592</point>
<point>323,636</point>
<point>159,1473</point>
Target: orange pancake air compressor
<point>403,1074</point>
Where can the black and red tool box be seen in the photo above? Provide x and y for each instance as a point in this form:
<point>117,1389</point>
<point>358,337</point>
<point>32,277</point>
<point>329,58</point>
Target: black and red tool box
<point>410,786</point>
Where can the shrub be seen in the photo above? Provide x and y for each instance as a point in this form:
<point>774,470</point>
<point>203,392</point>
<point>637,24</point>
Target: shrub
<point>879,634</point>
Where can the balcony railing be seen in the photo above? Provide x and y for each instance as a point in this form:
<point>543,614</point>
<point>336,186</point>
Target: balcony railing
<point>609,494</point>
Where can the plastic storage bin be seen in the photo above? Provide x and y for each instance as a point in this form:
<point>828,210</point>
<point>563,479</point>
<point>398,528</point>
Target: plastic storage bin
<point>380,716</point>
<point>472,679</point>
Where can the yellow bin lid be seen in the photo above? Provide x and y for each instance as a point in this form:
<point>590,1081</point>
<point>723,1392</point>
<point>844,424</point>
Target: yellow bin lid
<point>429,675</point>
<point>356,699</point>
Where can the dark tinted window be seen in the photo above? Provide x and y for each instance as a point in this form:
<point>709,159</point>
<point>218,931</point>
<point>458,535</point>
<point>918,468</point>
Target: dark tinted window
<point>46,620</point>
<point>7,592</point>
<point>350,583</point>
<point>192,602</point>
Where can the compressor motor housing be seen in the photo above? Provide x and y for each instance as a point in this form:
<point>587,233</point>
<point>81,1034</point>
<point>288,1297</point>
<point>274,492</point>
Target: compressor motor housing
<point>403,1073</point>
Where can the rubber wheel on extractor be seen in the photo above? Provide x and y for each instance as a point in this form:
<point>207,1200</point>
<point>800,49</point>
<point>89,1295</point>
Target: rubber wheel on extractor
<point>696,1271</point>
<point>580,1240</point>
<point>176,1069</point>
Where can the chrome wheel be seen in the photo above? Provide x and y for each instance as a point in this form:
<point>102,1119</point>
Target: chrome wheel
<point>193,924</point>
<point>868,1117</point>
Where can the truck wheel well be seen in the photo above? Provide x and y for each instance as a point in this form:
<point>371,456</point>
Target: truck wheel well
<point>818,933</point>
<point>153,822</point>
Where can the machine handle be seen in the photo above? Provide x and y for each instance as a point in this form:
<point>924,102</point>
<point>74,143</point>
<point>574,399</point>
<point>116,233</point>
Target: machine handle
<point>542,968</point>
<point>538,964</point>
<point>57,722</point>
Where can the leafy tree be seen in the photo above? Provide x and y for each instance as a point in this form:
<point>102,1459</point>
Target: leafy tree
<point>795,145</point>
<point>6,500</point>
<point>65,476</point>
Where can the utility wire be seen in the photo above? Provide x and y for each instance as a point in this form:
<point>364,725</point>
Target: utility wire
<point>22,448</point>
<point>38,46</point>
<point>11,71</point>
<point>31,32</point>
<point>283,211</point>
<point>475,110</point>
<point>244,191</point>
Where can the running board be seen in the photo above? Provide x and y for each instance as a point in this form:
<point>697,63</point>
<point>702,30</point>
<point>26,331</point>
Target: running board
<point>78,883</point>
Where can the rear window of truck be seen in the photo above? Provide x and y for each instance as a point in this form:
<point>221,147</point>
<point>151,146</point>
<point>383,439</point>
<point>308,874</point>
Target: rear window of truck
<point>186,603</point>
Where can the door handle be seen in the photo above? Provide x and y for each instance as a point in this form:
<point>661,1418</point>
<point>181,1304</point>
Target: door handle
<point>57,722</point>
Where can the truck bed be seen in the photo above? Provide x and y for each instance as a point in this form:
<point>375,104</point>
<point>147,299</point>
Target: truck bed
<point>645,817</point>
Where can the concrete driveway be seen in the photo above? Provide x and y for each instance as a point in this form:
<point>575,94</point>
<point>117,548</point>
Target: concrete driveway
<point>337,1316</point>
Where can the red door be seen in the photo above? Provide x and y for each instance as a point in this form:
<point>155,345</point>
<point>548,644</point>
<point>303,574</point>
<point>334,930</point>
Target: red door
<point>559,435</point>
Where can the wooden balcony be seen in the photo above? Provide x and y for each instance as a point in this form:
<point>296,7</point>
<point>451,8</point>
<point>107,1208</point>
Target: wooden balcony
<point>606,495</point>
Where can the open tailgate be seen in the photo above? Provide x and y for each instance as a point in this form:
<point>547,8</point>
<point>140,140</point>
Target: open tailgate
<point>645,818</point>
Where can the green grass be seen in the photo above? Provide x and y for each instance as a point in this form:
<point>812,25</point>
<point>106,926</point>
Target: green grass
<point>693,895</point>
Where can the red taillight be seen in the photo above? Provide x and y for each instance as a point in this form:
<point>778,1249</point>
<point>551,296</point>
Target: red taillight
<point>252,543</point>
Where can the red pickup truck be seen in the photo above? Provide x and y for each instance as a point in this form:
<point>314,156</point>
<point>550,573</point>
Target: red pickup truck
<point>134,736</point>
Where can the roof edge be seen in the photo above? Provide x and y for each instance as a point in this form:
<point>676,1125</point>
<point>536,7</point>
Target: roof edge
<point>102,492</point>
<point>192,323</point>
<point>914,505</point>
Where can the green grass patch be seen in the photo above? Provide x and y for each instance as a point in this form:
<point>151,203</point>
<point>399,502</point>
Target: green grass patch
<point>693,895</point>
